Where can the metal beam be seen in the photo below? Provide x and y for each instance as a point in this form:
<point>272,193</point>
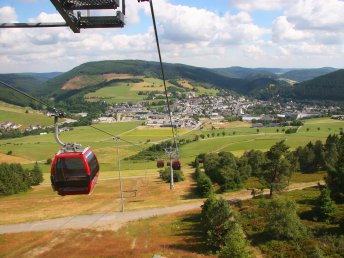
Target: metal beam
<point>33,25</point>
<point>67,15</point>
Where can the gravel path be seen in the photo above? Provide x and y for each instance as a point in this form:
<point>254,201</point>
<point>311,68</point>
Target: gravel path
<point>114,220</point>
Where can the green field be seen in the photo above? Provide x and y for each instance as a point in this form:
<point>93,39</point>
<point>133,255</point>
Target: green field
<point>42,147</point>
<point>23,116</point>
<point>116,93</point>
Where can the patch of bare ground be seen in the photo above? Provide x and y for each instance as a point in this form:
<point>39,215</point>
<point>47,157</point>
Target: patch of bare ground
<point>111,76</point>
<point>72,84</point>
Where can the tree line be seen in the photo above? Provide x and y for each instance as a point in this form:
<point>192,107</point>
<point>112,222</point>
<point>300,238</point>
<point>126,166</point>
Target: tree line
<point>15,179</point>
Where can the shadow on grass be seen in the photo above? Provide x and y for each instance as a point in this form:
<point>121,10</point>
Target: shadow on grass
<point>192,234</point>
<point>259,238</point>
<point>192,193</point>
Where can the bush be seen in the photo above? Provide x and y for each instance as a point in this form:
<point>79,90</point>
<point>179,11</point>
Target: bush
<point>13,179</point>
<point>235,243</point>
<point>165,175</point>
<point>36,175</point>
<point>204,185</point>
<point>283,221</point>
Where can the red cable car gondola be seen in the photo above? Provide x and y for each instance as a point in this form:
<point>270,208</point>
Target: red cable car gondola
<point>176,164</point>
<point>160,163</point>
<point>74,171</point>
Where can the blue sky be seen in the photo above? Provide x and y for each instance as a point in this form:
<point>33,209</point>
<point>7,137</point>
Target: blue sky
<point>218,33</point>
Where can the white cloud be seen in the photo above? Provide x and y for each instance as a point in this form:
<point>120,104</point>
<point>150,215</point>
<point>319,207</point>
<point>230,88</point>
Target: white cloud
<point>317,15</point>
<point>266,5</point>
<point>7,14</point>
<point>189,35</point>
<point>283,30</point>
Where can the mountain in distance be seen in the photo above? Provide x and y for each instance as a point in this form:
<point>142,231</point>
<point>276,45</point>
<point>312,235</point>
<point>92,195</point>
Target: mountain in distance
<point>263,83</point>
<point>327,87</point>
<point>246,73</point>
<point>147,69</point>
<point>301,75</point>
<point>294,74</point>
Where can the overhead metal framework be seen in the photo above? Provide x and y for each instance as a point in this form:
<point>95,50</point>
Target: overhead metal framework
<point>76,21</point>
<point>71,12</point>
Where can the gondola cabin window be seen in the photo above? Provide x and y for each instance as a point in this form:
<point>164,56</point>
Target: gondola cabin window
<point>70,168</point>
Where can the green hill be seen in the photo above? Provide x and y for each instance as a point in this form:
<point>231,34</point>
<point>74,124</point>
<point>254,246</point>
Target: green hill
<point>146,69</point>
<point>326,87</point>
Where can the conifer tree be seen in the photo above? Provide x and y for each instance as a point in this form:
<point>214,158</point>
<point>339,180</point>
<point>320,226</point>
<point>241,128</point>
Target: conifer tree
<point>326,207</point>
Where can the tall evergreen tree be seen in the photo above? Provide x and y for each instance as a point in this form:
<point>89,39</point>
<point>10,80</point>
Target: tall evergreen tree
<point>277,171</point>
<point>215,221</point>
<point>326,207</point>
<point>335,183</point>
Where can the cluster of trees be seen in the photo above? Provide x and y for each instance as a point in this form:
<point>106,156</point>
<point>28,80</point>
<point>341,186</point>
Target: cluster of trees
<point>15,179</point>
<point>226,170</point>
<point>275,167</point>
<point>318,156</point>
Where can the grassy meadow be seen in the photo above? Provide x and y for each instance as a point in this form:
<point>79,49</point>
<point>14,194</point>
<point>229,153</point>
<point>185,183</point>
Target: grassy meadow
<point>23,116</point>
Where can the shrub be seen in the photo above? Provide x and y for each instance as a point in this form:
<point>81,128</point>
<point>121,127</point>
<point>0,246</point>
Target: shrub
<point>204,185</point>
<point>13,179</point>
<point>36,175</point>
<point>235,243</point>
<point>283,221</point>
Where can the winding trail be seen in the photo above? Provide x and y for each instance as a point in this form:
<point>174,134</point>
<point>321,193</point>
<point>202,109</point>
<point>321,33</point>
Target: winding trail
<point>115,220</point>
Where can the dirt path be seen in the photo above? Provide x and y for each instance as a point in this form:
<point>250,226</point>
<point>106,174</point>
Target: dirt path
<point>114,220</point>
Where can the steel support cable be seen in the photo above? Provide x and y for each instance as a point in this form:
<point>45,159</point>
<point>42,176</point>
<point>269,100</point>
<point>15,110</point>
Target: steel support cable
<point>163,75</point>
<point>115,137</point>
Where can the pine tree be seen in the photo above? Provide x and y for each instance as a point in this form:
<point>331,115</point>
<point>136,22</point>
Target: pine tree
<point>326,208</point>
<point>215,221</point>
<point>277,171</point>
<point>335,182</point>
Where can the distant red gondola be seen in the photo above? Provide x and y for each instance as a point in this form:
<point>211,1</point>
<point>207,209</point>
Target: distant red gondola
<point>160,163</point>
<point>176,165</point>
<point>74,172</point>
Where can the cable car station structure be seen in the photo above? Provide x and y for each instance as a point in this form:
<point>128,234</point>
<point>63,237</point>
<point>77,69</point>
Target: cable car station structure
<point>71,12</point>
